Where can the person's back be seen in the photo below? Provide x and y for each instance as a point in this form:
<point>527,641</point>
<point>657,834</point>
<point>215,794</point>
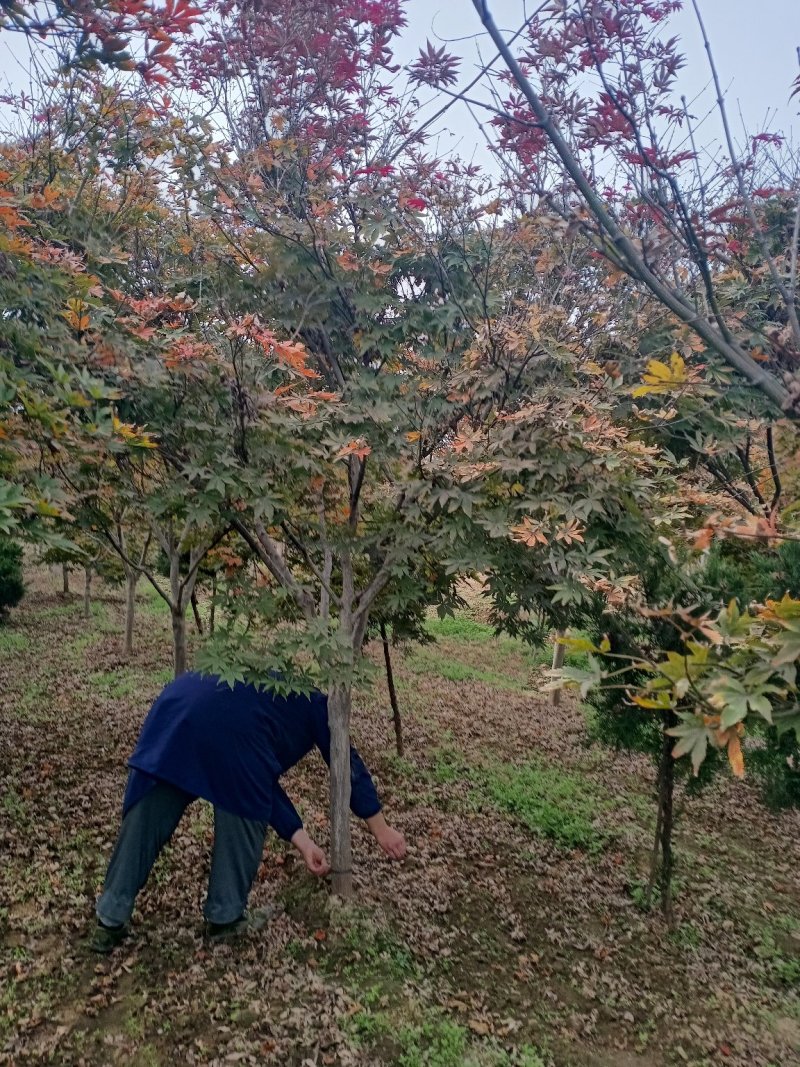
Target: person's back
<point>229,745</point>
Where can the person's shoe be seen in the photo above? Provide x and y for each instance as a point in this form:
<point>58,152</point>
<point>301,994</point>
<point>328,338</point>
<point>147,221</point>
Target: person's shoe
<point>245,924</point>
<point>106,938</point>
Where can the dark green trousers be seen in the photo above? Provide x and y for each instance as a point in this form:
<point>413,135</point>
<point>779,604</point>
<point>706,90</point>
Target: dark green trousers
<point>148,826</point>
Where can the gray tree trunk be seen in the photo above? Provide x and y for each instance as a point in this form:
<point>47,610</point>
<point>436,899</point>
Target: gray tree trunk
<point>396,719</point>
<point>339,705</point>
<point>131,579</point>
<point>196,612</point>
<point>65,578</point>
<point>178,604</point>
<point>87,592</point>
<point>179,657</point>
<point>212,615</point>
<point>558,663</point>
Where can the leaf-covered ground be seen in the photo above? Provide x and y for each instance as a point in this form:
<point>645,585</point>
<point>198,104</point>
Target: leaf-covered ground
<point>515,934</point>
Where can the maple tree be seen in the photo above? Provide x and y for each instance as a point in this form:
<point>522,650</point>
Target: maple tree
<point>390,394</point>
<point>129,35</point>
<point>287,336</point>
<point>615,155</point>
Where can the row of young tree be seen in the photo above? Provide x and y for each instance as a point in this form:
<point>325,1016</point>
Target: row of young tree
<point>254,327</point>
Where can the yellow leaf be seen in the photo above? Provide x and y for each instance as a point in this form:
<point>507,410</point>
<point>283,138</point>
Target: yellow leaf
<point>660,378</point>
<point>578,644</point>
<point>657,371</point>
<point>661,700</point>
<point>413,435</point>
<point>677,366</point>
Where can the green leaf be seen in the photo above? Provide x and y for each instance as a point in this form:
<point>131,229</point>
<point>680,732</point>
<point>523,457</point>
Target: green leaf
<point>693,737</point>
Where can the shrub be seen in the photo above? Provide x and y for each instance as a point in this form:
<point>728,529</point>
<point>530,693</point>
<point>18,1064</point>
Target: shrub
<point>11,584</point>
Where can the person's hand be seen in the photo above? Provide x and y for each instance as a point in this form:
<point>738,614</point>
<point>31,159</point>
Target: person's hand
<point>316,860</point>
<point>392,842</point>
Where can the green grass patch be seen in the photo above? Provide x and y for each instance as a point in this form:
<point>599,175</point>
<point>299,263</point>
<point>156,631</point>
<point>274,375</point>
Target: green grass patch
<point>116,684</point>
<point>464,650</point>
<point>438,1043</point>
<point>549,801</point>
<point>368,955</point>
<point>777,949</point>
<point>152,602</point>
<point>59,611</point>
<point>78,645</point>
<point>434,660</point>
<point>13,641</point>
<point>564,806</point>
<point>161,677</point>
<point>462,628</point>
<point>15,808</point>
<point>33,702</point>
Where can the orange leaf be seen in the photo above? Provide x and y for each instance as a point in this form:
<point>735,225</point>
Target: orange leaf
<point>358,448</point>
<point>735,757</point>
<point>347,261</point>
<point>703,538</point>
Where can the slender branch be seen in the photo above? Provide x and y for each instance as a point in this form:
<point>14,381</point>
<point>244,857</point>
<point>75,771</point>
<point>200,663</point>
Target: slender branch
<point>674,300</point>
<point>267,551</point>
<point>716,469</point>
<point>744,459</point>
<point>777,281</point>
<point>301,548</point>
<point>356,478</point>
<point>776,478</point>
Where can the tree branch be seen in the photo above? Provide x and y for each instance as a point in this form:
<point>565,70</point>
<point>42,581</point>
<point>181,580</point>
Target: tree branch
<point>675,301</point>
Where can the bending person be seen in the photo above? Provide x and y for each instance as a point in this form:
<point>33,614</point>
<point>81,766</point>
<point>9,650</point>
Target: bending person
<point>229,746</point>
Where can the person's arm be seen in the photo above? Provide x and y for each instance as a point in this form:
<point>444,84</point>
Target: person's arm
<point>364,801</point>
<point>289,826</point>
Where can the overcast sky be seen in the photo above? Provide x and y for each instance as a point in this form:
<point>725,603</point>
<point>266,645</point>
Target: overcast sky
<point>754,43</point>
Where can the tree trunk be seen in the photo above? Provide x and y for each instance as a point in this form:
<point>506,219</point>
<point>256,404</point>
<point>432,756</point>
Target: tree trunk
<point>667,797</point>
<point>339,704</point>
<point>196,612</point>
<point>87,592</point>
<point>656,853</point>
<point>65,578</point>
<point>558,662</point>
<point>212,615</point>
<point>179,640</point>
<point>398,725</point>
<point>662,860</point>
<point>131,578</point>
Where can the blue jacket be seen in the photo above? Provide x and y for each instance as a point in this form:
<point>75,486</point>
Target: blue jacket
<point>230,746</point>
